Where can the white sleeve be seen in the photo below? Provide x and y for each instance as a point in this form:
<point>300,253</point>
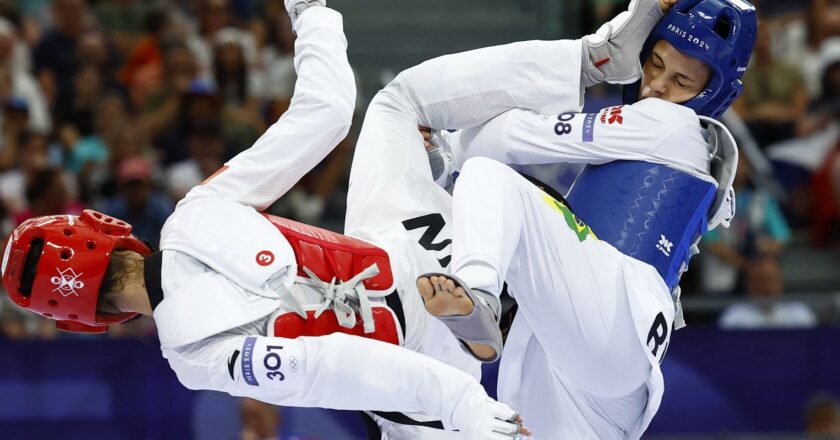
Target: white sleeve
<point>650,130</point>
<point>466,89</point>
<point>335,371</point>
<point>318,118</point>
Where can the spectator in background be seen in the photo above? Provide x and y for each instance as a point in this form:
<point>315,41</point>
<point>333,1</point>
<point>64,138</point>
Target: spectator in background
<point>82,150</point>
<point>799,34</point>
<point>237,85</point>
<point>77,113</point>
<point>23,153</point>
<point>124,19</point>
<point>54,57</point>
<point>758,230</point>
<point>765,310</point>
<point>16,49</point>
<point>824,152</point>
<point>7,224</point>
<point>822,418</point>
<point>213,16</point>
<point>206,146</point>
<point>167,112</point>
<point>809,167</point>
<point>774,95</point>
<point>276,57</point>
<point>199,107</point>
<point>124,139</point>
<point>94,47</point>
<point>16,119</point>
<point>144,63</point>
<point>825,187</point>
<point>822,23</point>
<point>47,194</point>
<point>32,157</point>
<point>137,202</point>
<point>22,85</point>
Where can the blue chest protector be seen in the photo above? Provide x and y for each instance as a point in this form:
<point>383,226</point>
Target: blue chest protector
<point>647,211</point>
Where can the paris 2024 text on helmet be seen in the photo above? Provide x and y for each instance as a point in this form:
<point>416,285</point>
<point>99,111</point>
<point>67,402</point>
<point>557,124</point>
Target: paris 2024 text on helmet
<point>722,34</point>
<point>55,265</point>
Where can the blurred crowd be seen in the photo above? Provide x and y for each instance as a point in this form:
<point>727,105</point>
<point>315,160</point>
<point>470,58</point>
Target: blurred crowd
<point>788,181</point>
<point>124,105</point>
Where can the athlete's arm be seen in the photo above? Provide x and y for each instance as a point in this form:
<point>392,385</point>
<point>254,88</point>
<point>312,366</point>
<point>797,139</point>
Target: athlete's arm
<point>469,88</point>
<point>318,118</point>
<point>651,130</point>
<point>338,371</point>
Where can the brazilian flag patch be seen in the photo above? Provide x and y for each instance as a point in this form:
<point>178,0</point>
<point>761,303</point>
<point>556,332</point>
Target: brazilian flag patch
<point>575,224</point>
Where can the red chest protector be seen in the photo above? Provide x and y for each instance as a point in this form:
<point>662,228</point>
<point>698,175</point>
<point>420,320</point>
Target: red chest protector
<point>331,255</point>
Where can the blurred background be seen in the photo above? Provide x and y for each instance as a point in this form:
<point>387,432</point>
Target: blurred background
<point>123,105</point>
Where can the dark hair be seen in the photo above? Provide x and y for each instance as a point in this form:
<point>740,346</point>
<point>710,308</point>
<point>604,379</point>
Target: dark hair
<point>41,183</point>
<point>25,136</point>
<point>155,21</point>
<point>120,267</point>
<point>235,84</point>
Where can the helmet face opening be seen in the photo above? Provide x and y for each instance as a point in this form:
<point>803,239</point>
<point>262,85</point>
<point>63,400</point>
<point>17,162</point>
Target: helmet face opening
<point>30,267</point>
<point>722,34</point>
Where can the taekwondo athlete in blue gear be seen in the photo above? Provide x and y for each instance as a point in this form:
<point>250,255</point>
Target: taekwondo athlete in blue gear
<point>597,303</point>
<point>653,212</point>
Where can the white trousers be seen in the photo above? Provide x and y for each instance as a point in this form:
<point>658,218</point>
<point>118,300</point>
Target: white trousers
<point>583,372</point>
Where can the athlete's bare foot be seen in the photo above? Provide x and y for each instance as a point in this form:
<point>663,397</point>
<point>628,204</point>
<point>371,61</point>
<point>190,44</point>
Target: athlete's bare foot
<point>443,298</point>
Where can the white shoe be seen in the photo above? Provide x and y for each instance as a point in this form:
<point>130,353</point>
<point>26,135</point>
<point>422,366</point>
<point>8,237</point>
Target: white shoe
<point>612,53</point>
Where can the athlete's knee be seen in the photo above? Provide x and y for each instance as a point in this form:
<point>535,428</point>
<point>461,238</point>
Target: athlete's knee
<point>394,96</point>
<point>387,99</point>
<point>486,169</point>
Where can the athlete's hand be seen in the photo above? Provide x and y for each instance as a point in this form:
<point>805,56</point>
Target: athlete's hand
<point>427,137</point>
<point>479,417</point>
<point>666,4</point>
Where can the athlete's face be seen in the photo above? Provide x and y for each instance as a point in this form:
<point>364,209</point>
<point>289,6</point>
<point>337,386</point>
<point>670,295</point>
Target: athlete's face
<point>672,76</point>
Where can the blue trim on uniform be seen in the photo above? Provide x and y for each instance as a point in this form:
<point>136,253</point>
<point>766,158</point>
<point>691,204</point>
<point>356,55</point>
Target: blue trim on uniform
<point>589,127</point>
<point>247,361</point>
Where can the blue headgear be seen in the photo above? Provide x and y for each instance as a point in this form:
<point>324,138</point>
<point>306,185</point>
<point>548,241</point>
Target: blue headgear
<point>722,34</point>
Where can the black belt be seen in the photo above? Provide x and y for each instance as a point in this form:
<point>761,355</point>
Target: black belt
<point>152,276</point>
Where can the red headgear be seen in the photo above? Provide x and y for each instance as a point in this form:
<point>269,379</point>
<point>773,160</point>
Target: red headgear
<point>54,266</point>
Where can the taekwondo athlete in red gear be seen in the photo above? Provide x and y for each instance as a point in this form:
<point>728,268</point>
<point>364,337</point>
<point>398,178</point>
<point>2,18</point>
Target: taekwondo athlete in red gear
<point>246,303</point>
<point>596,285</point>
